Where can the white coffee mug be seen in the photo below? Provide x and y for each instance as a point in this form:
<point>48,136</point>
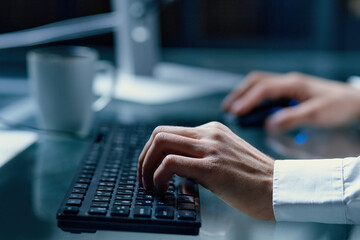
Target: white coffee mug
<point>61,80</point>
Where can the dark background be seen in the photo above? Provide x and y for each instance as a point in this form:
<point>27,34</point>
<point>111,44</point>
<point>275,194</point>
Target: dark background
<point>255,24</point>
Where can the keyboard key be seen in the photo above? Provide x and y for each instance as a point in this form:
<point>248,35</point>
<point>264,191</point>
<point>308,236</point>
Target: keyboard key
<point>109,175</point>
<point>78,190</point>
<point>100,204</point>
<point>144,197</point>
<point>168,197</point>
<point>126,187</point>
<point>143,203</point>
<point>86,171</point>
<point>142,211</point>
<point>111,170</point>
<point>103,194</point>
<point>106,184</point>
<point>164,212</point>
<point>123,197</point>
<point>127,182</point>
<point>128,177</point>
<point>120,208</point>
<point>131,169</point>
<point>81,185</point>
<point>71,209</point>
<point>101,199</point>
<point>97,211</point>
<point>144,192</point>
<point>124,192</point>
<point>185,199</point>
<point>84,180</point>
<point>74,202</point>
<point>170,191</point>
<point>122,211</point>
<point>91,161</point>
<point>105,189</point>
<point>89,167</point>
<point>106,179</point>
<point>186,206</point>
<point>187,215</point>
<point>86,176</point>
<point>165,203</point>
<point>76,196</point>
<point>123,202</point>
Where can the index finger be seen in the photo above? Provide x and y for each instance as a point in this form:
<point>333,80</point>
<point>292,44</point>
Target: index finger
<point>187,167</point>
<point>182,131</point>
<point>250,80</point>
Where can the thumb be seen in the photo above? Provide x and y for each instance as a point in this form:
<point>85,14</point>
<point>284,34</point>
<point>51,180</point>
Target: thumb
<point>291,117</point>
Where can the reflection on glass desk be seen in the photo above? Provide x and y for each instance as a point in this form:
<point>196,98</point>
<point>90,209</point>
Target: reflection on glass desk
<point>33,184</point>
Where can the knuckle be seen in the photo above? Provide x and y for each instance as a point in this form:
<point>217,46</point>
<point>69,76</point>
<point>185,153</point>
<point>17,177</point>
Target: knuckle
<point>215,124</point>
<point>169,161</point>
<point>298,79</point>
<point>216,134</point>
<point>158,130</point>
<point>213,149</point>
<point>254,75</point>
<point>295,76</point>
<point>160,138</point>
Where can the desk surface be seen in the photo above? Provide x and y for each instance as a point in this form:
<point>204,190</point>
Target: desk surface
<point>33,184</point>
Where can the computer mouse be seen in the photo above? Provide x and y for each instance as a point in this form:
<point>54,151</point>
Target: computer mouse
<point>258,116</point>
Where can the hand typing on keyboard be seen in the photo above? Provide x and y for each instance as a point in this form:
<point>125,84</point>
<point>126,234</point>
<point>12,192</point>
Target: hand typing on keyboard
<point>214,157</point>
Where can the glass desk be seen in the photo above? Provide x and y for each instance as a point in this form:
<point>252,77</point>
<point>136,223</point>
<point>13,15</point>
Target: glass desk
<point>33,184</point>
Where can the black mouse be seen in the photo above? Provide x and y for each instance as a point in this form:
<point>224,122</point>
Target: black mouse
<point>257,116</point>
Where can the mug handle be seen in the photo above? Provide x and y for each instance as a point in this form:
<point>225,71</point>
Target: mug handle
<point>106,98</point>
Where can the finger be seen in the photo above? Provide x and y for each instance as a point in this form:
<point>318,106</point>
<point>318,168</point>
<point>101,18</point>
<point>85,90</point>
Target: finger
<point>163,145</point>
<point>182,131</point>
<point>276,87</point>
<point>293,117</point>
<point>250,80</point>
<point>192,168</point>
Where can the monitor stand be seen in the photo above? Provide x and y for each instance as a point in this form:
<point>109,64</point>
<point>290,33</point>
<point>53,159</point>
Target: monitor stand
<point>145,79</point>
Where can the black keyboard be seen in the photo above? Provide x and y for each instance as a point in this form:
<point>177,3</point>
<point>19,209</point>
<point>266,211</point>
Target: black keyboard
<point>105,194</point>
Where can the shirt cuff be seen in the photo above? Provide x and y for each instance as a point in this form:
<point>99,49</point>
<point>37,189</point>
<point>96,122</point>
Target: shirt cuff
<point>309,191</point>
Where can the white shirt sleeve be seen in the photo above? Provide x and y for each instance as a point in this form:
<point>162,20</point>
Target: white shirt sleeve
<point>325,191</point>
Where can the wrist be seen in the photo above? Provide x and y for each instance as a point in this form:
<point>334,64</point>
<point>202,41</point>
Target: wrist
<point>357,104</point>
<point>268,211</point>
<point>270,182</point>
<point>354,82</point>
